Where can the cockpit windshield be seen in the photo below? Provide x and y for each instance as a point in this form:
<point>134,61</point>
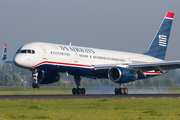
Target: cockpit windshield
<point>18,51</point>
<point>25,51</point>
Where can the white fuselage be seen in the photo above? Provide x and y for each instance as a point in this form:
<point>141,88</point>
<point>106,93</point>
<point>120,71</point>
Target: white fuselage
<point>48,56</point>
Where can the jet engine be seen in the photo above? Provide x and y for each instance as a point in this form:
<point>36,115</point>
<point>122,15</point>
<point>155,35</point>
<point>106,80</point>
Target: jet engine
<point>46,77</point>
<point>122,75</point>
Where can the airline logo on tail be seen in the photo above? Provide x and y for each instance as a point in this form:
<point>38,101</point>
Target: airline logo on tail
<point>162,40</point>
<point>159,43</point>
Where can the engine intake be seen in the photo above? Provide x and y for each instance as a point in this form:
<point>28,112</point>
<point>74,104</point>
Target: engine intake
<point>122,75</point>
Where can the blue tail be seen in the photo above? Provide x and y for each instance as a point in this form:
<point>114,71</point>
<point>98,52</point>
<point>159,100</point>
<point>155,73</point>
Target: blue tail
<point>4,55</point>
<point>159,44</point>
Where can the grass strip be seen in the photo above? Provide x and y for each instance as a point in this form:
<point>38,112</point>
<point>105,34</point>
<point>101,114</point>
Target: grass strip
<point>88,109</point>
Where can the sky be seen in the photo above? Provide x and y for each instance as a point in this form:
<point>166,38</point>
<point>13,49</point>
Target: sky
<point>123,25</point>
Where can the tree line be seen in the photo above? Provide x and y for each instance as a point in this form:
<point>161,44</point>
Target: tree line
<point>10,80</point>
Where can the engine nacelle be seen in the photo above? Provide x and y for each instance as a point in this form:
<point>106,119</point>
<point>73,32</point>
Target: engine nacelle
<point>46,77</point>
<point>122,75</point>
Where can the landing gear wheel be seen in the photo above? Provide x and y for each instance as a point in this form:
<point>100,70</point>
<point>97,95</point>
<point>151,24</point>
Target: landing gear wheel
<point>121,91</point>
<point>74,91</point>
<point>78,91</point>
<point>83,91</point>
<point>125,91</point>
<point>116,91</point>
<point>34,85</point>
<point>38,85</point>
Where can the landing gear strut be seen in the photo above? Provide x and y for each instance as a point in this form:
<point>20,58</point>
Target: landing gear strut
<point>35,83</point>
<point>78,90</point>
<point>121,90</point>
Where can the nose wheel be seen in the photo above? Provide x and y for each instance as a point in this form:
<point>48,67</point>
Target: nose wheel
<point>34,85</point>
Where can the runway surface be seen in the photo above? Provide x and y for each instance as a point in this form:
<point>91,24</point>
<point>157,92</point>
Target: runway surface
<point>89,96</point>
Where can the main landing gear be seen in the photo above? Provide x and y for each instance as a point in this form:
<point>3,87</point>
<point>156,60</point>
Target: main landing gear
<point>35,83</point>
<point>120,90</point>
<point>78,90</point>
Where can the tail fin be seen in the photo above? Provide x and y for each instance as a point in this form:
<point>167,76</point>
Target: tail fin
<point>4,55</point>
<point>159,44</point>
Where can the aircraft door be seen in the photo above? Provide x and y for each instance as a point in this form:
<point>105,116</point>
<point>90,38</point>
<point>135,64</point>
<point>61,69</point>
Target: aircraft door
<point>76,57</point>
<point>44,55</point>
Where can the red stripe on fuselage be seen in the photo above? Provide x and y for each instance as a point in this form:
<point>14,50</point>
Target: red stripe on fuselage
<point>60,63</point>
<point>154,72</point>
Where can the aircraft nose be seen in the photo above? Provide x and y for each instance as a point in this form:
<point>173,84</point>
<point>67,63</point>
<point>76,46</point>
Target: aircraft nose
<point>18,60</point>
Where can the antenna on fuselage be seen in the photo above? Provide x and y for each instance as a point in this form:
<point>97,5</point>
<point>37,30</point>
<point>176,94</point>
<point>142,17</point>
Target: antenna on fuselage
<point>70,43</point>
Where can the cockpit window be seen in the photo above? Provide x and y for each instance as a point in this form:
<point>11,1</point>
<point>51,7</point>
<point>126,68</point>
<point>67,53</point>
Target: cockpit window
<point>29,51</point>
<point>33,52</point>
<point>25,51</point>
<point>18,51</point>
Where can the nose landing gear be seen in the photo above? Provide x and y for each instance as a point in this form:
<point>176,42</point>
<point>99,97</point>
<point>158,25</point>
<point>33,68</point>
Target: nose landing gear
<point>35,83</point>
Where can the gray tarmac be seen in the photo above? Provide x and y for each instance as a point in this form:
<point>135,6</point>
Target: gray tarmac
<point>89,96</point>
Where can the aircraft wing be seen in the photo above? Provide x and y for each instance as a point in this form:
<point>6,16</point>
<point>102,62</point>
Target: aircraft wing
<point>157,66</point>
<point>8,61</point>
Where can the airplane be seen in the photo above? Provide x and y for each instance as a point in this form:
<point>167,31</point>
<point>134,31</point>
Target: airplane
<point>47,60</point>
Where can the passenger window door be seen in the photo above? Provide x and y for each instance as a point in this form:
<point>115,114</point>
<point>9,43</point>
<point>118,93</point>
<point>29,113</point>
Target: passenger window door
<point>44,55</point>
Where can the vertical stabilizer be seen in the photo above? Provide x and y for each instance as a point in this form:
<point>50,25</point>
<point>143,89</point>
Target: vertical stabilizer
<point>4,55</point>
<point>159,44</point>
